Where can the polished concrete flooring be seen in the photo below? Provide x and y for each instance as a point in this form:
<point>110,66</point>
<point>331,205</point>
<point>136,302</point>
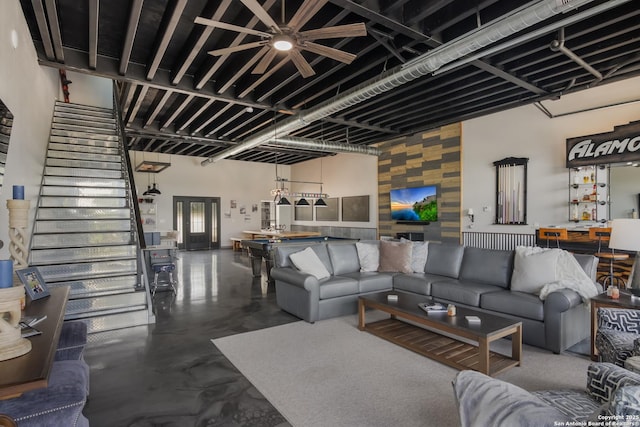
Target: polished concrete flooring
<point>169,373</point>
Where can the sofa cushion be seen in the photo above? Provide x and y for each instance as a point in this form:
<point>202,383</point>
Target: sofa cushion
<point>419,255</point>
<point>308,262</point>
<point>368,255</point>
<point>344,258</point>
<point>464,292</point>
<point>419,283</point>
<point>369,281</point>
<point>444,259</point>
<point>519,304</point>
<point>533,268</point>
<point>488,266</point>
<point>395,257</point>
<point>338,286</point>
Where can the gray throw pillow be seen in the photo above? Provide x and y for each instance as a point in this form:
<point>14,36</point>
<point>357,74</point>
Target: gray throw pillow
<point>368,255</point>
<point>533,268</point>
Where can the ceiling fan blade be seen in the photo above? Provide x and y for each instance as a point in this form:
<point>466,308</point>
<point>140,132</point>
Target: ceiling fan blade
<point>305,12</point>
<point>264,62</point>
<point>301,64</point>
<point>337,32</point>
<point>227,50</point>
<point>231,27</point>
<point>261,14</point>
<point>329,52</point>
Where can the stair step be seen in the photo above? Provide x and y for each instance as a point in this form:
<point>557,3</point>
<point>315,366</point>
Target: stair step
<point>86,164</point>
<point>90,253</point>
<point>84,182</point>
<point>84,142</point>
<point>77,240</point>
<point>83,109</point>
<point>119,303</point>
<point>82,202</point>
<point>83,213</point>
<point>48,190</point>
<point>83,135</point>
<point>83,148</point>
<point>99,123</point>
<point>116,321</point>
<point>81,172</point>
<point>87,129</point>
<point>63,116</point>
<point>95,287</point>
<point>92,270</point>
<point>73,155</point>
<point>73,226</point>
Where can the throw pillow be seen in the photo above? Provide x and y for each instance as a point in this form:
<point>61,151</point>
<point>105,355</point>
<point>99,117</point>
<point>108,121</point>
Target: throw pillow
<point>368,255</point>
<point>308,262</point>
<point>419,254</point>
<point>533,268</point>
<point>395,257</point>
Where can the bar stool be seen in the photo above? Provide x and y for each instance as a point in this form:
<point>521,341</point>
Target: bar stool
<point>558,233</point>
<point>603,234</point>
<point>167,268</point>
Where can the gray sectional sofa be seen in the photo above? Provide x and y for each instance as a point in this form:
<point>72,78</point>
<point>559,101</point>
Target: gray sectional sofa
<point>464,276</point>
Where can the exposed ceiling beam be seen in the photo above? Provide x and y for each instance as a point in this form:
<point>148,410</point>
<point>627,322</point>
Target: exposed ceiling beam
<point>179,108</point>
<point>167,28</point>
<point>197,113</point>
<point>161,99</point>
<point>94,9</point>
<point>359,125</point>
<point>129,38</point>
<point>43,28</point>
<point>133,111</point>
<point>54,27</point>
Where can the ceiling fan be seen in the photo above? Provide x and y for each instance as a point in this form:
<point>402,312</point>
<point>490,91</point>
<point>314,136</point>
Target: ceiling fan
<point>288,37</point>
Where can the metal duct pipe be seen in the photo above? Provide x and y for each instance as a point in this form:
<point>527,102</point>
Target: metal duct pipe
<point>421,66</point>
<point>315,145</point>
<point>558,45</point>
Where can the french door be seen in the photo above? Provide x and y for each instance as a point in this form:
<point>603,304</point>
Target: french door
<point>197,220</point>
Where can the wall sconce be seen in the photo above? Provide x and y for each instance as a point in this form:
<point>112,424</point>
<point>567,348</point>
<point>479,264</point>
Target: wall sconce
<point>470,214</point>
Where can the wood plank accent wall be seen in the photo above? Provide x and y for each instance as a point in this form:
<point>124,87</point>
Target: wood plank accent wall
<point>434,157</point>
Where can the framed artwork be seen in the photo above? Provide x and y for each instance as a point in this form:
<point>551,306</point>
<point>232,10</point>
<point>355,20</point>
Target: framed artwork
<point>33,282</point>
<point>328,213</point>
<point>304,213</point>
<point>355,208</point>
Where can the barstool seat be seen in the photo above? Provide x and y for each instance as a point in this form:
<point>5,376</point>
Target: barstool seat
<point>167,268</point>
<point>612,256</point>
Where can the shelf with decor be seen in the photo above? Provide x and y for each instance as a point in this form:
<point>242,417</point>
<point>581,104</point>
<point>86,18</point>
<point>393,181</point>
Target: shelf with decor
<point>588,194</point>
<point>148,213</point>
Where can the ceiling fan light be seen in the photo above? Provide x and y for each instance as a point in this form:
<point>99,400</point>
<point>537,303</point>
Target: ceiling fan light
<point>282,43</point>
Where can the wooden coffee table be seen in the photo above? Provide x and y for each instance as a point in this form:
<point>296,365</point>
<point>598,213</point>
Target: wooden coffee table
<point>425,335</point>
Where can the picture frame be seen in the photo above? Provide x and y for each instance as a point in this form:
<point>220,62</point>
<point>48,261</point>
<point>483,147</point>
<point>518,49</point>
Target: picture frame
<point>34,284</point>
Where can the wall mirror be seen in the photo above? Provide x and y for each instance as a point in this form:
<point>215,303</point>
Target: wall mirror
<point>624,182</point>
<point>6,121</point>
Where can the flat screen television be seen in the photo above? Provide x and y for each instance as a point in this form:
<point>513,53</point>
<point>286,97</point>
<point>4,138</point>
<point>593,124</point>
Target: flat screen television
<point>416,204</point>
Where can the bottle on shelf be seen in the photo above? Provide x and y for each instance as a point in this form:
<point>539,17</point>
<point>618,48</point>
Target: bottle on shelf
<point>586,215</point>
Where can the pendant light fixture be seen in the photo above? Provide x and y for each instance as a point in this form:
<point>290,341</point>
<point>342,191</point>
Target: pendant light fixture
<point>303,202</point>
<point>320,203</point>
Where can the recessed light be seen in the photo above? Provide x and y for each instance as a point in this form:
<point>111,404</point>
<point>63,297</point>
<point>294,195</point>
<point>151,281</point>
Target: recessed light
<point>14,39</point>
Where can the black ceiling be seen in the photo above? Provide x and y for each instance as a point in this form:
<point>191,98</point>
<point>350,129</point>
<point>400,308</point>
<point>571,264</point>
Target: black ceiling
<point>175,98</point>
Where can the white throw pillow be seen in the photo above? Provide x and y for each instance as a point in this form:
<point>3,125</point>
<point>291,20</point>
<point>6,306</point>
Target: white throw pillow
<point>533,268</point>
<point>419,255</point>
<point>368,255</point>
<point>308,262</point>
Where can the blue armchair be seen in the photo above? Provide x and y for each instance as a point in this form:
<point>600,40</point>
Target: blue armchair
<point>618,336</point>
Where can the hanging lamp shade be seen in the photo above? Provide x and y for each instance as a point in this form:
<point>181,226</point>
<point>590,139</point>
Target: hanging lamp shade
<point>284,202</point>
<point>146,193</point>
<point>320,203</point>
<point>154,190</point>
<point>302,202</point>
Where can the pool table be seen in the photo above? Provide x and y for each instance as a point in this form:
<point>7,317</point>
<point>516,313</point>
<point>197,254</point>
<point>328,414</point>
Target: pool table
<point>262,249</point>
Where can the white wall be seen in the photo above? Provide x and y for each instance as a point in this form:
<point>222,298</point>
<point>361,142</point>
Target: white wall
<point>624,190</point>
<point>245,182</point>
<point>29,91</point>
<point>527,132</point>
<point>344,174</point>
<point>89,90</point>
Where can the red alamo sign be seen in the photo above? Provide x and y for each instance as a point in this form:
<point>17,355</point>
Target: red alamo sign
<point>621,145</point>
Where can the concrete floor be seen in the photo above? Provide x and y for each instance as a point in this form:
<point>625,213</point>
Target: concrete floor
<point>169,373</point>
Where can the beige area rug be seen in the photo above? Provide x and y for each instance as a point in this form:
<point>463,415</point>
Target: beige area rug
<point>331,374</point>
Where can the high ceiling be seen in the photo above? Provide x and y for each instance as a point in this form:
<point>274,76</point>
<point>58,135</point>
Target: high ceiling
<point>176,98</point>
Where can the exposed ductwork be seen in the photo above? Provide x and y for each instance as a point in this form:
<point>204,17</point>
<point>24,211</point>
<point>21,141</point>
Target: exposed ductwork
<point>315,145</point>
<point>421,66</point>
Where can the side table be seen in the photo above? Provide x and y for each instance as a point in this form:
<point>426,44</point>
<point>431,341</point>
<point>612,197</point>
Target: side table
<point>602,300</point>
